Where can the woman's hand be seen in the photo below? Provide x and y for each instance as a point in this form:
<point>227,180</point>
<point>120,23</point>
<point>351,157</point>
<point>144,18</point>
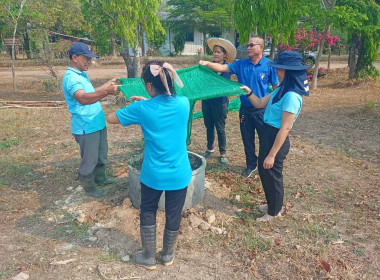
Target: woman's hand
<point>138,98</point>
<point>247,89</point>
<point>203,62</point>
<point>268,162</point>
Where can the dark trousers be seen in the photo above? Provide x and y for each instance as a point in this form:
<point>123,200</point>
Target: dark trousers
<point>271,179</point>
<point>215,116</point>
<point>251,119</point>
<point>93,150</point>
<point>174,201</point>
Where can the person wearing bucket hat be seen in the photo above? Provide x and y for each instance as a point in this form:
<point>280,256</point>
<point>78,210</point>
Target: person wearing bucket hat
<point>257,75</point>
<point>282,108</point>
<point>88,122</point>
<point>215,109</point>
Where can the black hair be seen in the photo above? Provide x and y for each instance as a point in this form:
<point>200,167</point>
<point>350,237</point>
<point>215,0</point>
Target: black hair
<point>223,49</point>
<point>147,77</point>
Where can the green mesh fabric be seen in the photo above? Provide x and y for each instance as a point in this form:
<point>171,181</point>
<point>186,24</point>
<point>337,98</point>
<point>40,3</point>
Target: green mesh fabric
<point>199,83</point>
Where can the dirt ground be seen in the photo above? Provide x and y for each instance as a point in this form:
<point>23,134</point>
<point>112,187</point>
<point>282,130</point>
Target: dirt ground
<point>331,228</point>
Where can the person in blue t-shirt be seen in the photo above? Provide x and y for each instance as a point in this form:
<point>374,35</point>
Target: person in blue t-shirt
<point>166,166</point>
<point>255,73</point>
<point>215,109</point>
<point>88,122</point>
<point>283,106</point>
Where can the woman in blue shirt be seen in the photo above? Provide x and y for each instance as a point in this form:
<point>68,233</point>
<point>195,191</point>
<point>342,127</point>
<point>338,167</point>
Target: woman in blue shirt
<point>215,109</point>
<point>282,109</point>
<point>166,166</point>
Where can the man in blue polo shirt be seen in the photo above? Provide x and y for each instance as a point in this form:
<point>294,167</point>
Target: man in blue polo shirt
<point>257,75</point>
<point>88,122</point>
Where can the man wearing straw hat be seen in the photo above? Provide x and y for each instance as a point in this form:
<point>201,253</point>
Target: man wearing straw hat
<point>215,109</point>
<point>257,75</point>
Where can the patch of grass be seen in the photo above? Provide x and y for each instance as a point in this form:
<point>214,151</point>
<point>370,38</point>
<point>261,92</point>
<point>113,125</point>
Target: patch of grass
<point>317,232</point>
<point>69,227</point>
<point>8,143</point>
<point>108,257</point>
<point>13,172</point>
<point>245,194</point>
<point>6,272</point>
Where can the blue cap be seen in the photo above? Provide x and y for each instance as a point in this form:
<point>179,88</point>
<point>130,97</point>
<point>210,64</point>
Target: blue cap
<point>80,48</point>
<point>289,61</point>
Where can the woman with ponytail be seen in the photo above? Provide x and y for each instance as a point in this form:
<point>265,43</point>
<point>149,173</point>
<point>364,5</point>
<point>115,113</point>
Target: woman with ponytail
<point>166,167</point>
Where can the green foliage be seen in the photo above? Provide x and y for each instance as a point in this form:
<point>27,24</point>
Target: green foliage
<point>209,16</point>
<point>277,18</point>
<point>157,41</point>
<point>361,20</point>
<point>8,143</point>
<point>179,43</point>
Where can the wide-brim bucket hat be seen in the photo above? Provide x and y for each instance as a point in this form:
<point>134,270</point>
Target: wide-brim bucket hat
<point>289,61</point>
<point>225,44</point>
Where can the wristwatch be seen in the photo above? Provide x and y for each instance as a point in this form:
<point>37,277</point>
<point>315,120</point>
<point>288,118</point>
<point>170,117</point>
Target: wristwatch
<point>249,94</point>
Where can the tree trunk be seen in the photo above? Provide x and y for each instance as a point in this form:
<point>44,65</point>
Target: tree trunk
<point>353,55</point>
<point>27,45</point>
<point>113,44</point>
<point>132,63</point>
<point>318,59</point>
<point>13,59</point>
<point>272,50</point>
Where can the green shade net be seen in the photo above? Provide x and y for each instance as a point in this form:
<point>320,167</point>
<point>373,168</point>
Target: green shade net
<point>199,83</point>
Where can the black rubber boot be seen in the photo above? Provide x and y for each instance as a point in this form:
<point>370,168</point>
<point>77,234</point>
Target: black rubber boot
<point>147,258</point>
<point>100,176</point>
<point>90,186</point>
<point>170,239</point>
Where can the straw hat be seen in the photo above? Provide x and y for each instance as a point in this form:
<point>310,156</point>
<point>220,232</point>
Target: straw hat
<point>224,43</point>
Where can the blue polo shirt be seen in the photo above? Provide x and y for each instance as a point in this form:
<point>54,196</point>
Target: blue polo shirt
<point>291,102</point>
<point>163,120</point>
<point>256,76</point>
<point>85,119</point>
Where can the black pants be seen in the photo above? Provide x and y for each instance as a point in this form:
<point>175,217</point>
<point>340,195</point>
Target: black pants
<point>174,201</point>
<point>215,116</point>
<point>251,119</point>
<point>272,178</point>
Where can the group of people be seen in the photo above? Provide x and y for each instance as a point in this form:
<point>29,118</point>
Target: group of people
<point>166,114</point>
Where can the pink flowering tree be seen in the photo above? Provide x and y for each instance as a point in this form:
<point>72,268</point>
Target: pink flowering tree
<point>309,41</point>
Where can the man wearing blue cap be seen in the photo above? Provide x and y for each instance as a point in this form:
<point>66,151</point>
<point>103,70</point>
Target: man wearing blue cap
<point>88,124</point>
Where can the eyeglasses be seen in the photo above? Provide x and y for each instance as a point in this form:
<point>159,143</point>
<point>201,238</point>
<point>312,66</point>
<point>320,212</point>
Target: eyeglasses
<point>252,45</point>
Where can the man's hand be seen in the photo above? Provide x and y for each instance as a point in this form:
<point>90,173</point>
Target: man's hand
<point>112,89</point>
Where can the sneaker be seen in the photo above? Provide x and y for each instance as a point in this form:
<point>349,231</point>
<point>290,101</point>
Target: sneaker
<point>263,208</point>
<point>223,159</point>
<point>207,154</point>
<point>248,172</point>
<point>267,218</point>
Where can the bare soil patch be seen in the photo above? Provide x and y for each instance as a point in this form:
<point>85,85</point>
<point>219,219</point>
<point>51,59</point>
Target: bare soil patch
<point>50,230</point>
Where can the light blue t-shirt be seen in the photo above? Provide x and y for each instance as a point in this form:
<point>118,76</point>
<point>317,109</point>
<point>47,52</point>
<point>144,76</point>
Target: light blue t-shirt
<point>85,119</point>
<point>291,102</point>
<point>255,76</point>
<point>163,120</point>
